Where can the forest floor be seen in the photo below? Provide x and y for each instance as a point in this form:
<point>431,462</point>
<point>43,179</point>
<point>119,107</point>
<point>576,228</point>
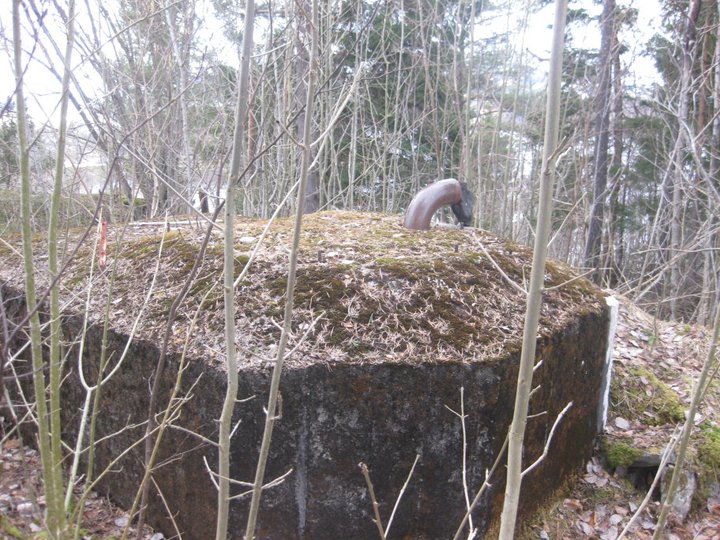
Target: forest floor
<point>653,361</point>
<point>655,366</point>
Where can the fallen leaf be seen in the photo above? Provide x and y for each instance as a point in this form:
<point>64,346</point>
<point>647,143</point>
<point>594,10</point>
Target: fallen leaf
<point>573,504</point>
<point>590,479</point>
<point>586,529</point>
<point>611,534</point>
<point>11,444</point>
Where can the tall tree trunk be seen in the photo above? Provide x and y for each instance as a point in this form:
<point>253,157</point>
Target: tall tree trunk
<point>593,244</point>
<point>711,282</point>
<point>302,68</point>
<point>614,234</point>
<point>688,53</point>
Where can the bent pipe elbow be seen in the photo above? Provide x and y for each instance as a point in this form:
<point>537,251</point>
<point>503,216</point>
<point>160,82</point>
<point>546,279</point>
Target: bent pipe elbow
<point>429,200</point>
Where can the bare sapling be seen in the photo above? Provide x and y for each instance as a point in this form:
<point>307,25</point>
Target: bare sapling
<point>91,404</point>
<point>537,275</point>
<point>150,440</point>
<point>470,506</point>
<point>466,492</point>
<point>53,267</point>
<point>290,290</point>
<point>47,410</point>
<point>223,501</point>
<point>698,393</point>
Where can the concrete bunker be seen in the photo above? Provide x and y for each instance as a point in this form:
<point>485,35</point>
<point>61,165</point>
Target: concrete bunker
<point>408,319</point>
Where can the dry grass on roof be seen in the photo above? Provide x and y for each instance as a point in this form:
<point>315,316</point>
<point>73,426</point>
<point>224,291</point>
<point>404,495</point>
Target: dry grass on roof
<point>376,291</point>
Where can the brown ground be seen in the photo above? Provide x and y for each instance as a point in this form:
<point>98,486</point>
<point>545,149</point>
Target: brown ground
<point>601,502</point>
<point>22,501</point>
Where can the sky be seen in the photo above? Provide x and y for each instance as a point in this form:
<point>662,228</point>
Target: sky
<point>638,65</point>
<point>42,89</point>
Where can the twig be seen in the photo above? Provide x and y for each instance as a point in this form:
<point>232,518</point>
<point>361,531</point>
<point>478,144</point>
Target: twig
<point>567,282</point>
<point>304,336</point>
<point>486,484</point>
<point>549,440</point>
<point>648,496</point>
<point>402,491</point>
<point>376,508</point>
<point>462,417</point>
<point>168,513</point>
<point>510,281</point>
<point>270,484</point>
<point>214,476</point>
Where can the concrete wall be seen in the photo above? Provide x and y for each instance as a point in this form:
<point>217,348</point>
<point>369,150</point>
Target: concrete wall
<point>335,416</point>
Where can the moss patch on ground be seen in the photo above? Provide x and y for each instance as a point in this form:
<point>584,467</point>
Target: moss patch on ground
<point>640,395</point>
<point>707,444</point>
<point>709,448</point>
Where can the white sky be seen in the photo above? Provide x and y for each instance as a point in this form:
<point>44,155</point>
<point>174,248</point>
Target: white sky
<point>639,67</point>
<point>42,89</point>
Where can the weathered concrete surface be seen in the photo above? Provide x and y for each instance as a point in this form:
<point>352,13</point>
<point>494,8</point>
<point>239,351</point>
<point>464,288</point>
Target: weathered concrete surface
<point>334,418</point>
<point>408,319</point>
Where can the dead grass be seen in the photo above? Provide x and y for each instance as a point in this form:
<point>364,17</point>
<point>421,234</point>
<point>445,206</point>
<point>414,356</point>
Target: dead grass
<point>383,293</point>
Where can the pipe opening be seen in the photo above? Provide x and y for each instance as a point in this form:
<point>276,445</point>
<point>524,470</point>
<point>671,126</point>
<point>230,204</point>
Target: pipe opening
<point>433,197</point>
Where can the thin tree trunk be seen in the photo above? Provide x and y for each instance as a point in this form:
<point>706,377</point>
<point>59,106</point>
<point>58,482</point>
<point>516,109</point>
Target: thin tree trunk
<point>223,501</point>
<point>710,278</point>
<point>53,492</point>
<point>677,179</point>
<point>537,274</point>
<point>270,416</point>
<point>311,202</point>
<point>182,59</point>
<point>58,503</point>
<point>614,235</point>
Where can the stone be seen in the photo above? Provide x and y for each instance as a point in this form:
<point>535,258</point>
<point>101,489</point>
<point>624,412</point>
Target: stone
<point>684,493</point>
<point>25,508</point>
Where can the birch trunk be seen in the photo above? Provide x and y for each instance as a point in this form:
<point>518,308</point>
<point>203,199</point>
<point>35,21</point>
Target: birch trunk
<point>537,274</point>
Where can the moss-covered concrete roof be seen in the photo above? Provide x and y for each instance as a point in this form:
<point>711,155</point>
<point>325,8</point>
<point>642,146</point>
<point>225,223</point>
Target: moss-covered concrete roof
<point>379,292</point>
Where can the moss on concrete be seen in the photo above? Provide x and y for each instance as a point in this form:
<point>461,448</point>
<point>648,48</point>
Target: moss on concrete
<point>619,453</point>
<point>384,292</point>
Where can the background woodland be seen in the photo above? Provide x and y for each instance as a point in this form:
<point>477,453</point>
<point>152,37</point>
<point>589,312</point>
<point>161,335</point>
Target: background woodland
<point>408,92</point>
<point>174,110</point>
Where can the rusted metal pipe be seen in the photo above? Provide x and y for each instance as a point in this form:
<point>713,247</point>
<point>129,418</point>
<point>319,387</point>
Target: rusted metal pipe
<point>438,194</point>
